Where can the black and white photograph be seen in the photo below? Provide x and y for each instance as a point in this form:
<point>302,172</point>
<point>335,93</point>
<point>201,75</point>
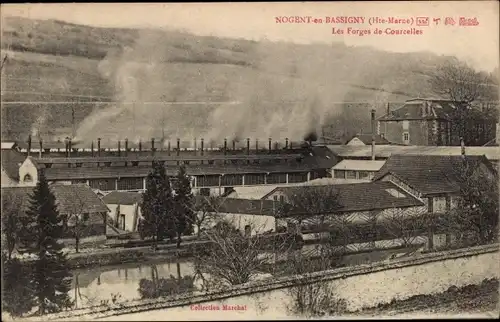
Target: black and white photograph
<point>250,161</point>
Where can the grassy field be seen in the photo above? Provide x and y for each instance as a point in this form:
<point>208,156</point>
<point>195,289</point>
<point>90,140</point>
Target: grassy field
<point>52,61</point>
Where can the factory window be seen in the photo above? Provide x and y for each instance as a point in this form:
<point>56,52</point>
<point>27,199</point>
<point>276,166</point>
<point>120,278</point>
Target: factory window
<point>406,137</point>
<point>208,181</point>
<point>256,161</point>
<point>205,192</point>
<point>339,174</point>
<point>297,177</point>
<point>211,162</point>
<point>275,198</point>
<point>28,178</point>
<point>282,199</point>
<point>275,178</point>
<point>254,179</point>
<point>130,184</point>
<point>103,184</point>
<point>364,174</point>
<point>232,180</point>
<point>78,181</point>
<point>350,174</point>
<point>121,224</point>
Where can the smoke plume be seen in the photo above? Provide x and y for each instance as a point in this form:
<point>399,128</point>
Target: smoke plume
<point>179,86</point>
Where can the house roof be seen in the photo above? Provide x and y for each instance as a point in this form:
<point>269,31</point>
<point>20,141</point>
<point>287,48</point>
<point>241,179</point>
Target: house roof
<point>69,198</point>
<point>367,139</point>
<point>429,174</point>
<point>11,161</point>
<point>8,145</point>
<point>122,198</point>
<point>428,109</point>
<point>361,196</point>
<point>359,165</point>
<point>385,151</point>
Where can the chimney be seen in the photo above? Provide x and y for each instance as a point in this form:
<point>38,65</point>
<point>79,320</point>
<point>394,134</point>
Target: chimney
<point>152,146</point>
<point>140,145</point>
<point>286,143</point>
<point>248,146</point>
<point>168,147</point>
<point>256,146</point>
<point>462,146</point>
<point>388,109</point>
<point>41,148</point>
<point>291,145</point>
<point>270,147</point>
<point>202,146</point>
<point>98,147</point>
<point>234,145</point>
<point>373,133</point>
<point>92,149</point>
<point>69,147</point>
<point>126,147</point>
<point>119,148</point>
<point>195,146</point>
<point>29,145</point>
<point>178,146</point>
<point>225,146</point>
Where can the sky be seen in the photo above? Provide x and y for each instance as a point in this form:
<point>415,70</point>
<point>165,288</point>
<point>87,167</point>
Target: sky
<point>478,45</point>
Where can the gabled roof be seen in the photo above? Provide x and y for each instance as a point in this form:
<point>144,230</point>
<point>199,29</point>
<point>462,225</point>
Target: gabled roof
<point>361,196</point>
<point>367,139</point>
<point>69,198</point>
<point>11,161</point>
<point>428,109</point>
<point>122,198</point>
<point>430,174</point>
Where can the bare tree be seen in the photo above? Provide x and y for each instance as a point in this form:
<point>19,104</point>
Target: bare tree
<point>459,82</point>
<point>12,210</point>
<point>206,209</point>
<point>76,219</point>
<point>475,216</point>
<point>233,258</point>
<point>406,224</point>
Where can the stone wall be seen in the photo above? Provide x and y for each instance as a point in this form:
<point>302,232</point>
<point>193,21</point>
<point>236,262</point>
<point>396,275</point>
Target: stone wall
<point>361,286</point>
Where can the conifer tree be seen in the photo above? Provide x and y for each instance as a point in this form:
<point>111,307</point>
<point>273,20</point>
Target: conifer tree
<point>17,292</point>
<point>51,278</point>
<point>184,200</point>
<point>156,204</point>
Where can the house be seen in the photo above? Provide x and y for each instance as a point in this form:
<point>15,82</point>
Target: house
<point>366,139</point>
<point>437,122</point>
<point>356,170</point>
<point>72,201</point>
<point>356,203</point>
<point>11,161</point>
<point>434,179</point>
<point>125,209</point>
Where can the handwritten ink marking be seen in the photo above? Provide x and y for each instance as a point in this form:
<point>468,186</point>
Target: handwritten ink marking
<point>422,21</point>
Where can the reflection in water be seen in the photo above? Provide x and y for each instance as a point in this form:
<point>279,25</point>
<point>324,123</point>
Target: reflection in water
<point>156,286</point>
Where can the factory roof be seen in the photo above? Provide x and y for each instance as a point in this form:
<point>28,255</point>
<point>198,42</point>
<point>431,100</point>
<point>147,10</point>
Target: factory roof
<point>385,151</point>
<point>356,197</point>
<point>359,165</point>
<point>366,139</point>
<point>142,171</point>
<point>69,198</point>
<point>122,198</point>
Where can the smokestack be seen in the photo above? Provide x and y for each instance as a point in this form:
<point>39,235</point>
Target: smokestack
<point>152,146</point>
<point>270,147</point>
<point>388,109</point>
<point>29,145</point>
<point>195,147</point>
<point>69,147</point>
<point>248,146</point>
<point>234,145</point>
<point>286,143</point>
<point>178,146</point>
<point>201,146</point>
<point>140,145</point>
<point>119,148</point>
<point>462,146</point>
<point>291,145</point>
<point>92,149</point>
<point>256,146</point>
<point>99,147</point>
<point>41,148</point>
<point>225,146</point>
<point>168,147</point>
<point>126,147</point>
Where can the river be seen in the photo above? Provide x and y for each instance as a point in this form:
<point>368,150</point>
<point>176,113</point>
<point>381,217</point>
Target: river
<point>123,282</point>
